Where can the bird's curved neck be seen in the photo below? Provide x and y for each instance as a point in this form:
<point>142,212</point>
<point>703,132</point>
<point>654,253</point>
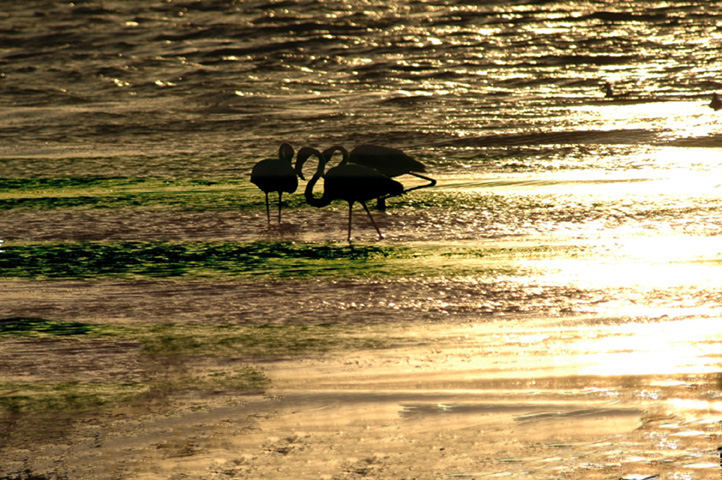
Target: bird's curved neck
<point>328,153</point>
<point>308,193</point>
<point>303,155</point>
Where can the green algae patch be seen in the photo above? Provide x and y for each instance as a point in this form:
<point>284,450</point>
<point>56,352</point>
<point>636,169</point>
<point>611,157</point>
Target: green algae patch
<point>33,327</point>
<point>75,396</point>
<point>260,259</point>
<point>260,342</point>
<point>120,192</point>
<point>35,184</point>
<point>98,259</point>
<point>169,360</point>
<point>283,260</point>
<point>65,396</point>
<point>517,251</point>
<point>198,359</point>
<point>244,380</point>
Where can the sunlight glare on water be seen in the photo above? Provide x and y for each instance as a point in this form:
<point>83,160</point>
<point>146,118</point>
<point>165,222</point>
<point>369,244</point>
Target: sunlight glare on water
<point>515,348</point>
<point>675,119</point>
<point>645,276</point>
<point>684,346</point>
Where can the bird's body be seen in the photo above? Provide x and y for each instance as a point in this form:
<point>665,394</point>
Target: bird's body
<point>273,176</point>
<point>390,162</point>
<point>356,183</point>
<point>276,175</point>
<point>349,182</point>
<point>386,160</point>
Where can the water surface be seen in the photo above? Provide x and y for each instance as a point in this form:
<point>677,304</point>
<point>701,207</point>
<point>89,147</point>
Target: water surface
<point>566,268</point>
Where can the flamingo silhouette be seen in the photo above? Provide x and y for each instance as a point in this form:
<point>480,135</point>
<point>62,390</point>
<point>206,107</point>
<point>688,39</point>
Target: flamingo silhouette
<point>347,181</point>
<point>390,162</point>
<point>276,176</point>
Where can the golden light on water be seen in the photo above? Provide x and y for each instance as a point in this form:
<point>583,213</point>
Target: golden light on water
<point>650,281</point>
<point>677,119</point>
<point>685,346</point>
<point>648,277</point>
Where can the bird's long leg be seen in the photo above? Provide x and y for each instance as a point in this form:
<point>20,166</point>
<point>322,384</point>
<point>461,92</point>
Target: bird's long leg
<point>381,203</point>
<point>350,206</point>
<point>279,206</point>
<point>381,237</point>
<point>268,211</point>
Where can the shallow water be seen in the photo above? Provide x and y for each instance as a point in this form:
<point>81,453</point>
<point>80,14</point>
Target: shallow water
<point>446,81</point>
<point>571,240</point>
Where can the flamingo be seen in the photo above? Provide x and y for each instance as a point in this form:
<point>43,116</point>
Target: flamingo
<point>276,176</point>
<point>347,181</point>
<point>391,162</point>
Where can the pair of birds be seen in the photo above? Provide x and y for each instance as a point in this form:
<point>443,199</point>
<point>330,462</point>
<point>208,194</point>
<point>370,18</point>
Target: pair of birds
<point>362,175</point>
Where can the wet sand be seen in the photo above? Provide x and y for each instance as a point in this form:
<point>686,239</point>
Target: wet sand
<point>317,225</point>
<point>598,360</point>
<point>520,396</point>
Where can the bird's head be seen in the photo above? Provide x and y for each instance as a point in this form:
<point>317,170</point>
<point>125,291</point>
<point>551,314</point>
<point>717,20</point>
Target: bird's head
<point>285,152</point>
<point>328,153</point>
<point>303,155</point>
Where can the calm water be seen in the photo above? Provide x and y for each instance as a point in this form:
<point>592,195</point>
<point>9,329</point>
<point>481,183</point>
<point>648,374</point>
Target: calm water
<point>502,100</point>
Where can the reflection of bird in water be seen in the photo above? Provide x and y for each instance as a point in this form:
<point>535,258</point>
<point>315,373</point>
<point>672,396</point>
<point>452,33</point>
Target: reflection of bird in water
<point>390,162</point>
<point>716,102</point>
<point>347,181</point>
<point>276,176</point>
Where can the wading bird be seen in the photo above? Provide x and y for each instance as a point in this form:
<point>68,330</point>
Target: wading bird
<point>390,162</point>
<point>276,176</point>
<point>347,181</point>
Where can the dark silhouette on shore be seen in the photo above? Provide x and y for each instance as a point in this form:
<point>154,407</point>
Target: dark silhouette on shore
<point>608,90</point>
<point>390,162</point>
<point>347,181</point>
<point>276,176</point>
<point>716,102</point>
